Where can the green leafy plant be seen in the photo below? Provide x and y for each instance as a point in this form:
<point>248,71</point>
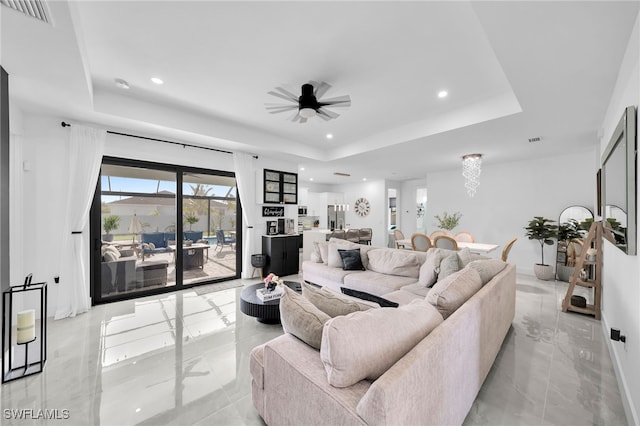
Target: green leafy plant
<point>448,221</point>
<point>569,231</point>
<point>542,230</point>
<point>191,219</point>
<point>110,223</point>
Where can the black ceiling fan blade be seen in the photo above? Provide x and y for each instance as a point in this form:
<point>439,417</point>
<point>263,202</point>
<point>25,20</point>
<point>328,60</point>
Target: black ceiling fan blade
<point>322,113</point>
<point>281,96</point>
<point>340,101</point>
<point>275,110</point>
<point>330,114</point>
<point>320,88</point>
<point>287,93</point>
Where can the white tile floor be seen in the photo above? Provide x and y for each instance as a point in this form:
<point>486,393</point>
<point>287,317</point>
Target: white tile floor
<point>183,358</point>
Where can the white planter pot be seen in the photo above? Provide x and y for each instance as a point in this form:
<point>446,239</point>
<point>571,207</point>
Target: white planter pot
<point>543,272</point>
<point>565,272</point>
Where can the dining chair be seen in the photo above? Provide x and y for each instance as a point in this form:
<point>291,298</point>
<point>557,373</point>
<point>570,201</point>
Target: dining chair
<point>464,237</point>
<point>507,249</point>
<point>397,235</point>
<point>353,235</point>
<point>366,234</point>
<point>338,233</point>
<point>437,233</point>
<point>420,242</point>
<point>573,251</point>
<point>445,242</point>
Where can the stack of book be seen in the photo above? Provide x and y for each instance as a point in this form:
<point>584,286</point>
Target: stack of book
<point>266,295</point>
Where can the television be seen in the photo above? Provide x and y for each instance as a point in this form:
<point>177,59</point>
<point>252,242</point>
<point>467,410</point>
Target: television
<point>619,183</point>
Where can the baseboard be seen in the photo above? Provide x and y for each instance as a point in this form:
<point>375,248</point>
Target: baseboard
<point>629,409</point>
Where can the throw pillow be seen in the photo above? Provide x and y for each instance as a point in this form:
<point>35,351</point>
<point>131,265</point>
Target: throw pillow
<point>429,270</point>
<point>464,257</point>
<point>450,293</point>
<point>370,297</point>
<point>448,266</point>
<point>334,259</point>
<point>364,345</point>
<point>301,318</point>
<point>487,269</point>
<point>109,256</point>
<point>351,260</point>
<point>333,303</point>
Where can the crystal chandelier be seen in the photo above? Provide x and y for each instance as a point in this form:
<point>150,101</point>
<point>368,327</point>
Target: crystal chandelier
<point>471,169</point>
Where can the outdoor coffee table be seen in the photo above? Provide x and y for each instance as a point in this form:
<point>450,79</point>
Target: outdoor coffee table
<point>266,312</point>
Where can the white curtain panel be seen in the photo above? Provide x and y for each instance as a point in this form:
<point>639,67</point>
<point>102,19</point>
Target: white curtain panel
<point>244,166</point>
<point>86,146</point>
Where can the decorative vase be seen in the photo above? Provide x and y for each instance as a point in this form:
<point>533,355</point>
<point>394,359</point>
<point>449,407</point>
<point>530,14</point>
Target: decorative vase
<point>543,272</point>
<point>107,237</point>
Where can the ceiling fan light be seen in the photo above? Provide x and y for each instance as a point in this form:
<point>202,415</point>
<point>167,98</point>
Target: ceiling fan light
<point>307,112</point>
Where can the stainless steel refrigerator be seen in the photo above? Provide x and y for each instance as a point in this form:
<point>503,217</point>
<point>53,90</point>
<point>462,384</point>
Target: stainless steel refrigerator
<point>335,218</point>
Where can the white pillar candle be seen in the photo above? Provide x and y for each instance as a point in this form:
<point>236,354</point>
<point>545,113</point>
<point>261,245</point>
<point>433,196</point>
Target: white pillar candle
<point>26,326</point>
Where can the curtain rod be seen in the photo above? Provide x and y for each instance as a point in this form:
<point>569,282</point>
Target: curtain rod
<point>184,145</point>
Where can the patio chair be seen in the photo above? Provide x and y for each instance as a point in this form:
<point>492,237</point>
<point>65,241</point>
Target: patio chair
<point>222,240</point>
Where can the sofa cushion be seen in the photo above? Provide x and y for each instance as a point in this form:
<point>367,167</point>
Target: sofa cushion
<point>351,260</point>
<point>394,262</point>
<point>416,289</point>
<point>450,293</point>
<point>374,282</point>
<point>301,318</point>
<point>487,269</point>
<point>404,297</point>
<point>324,272</point>
<point>315,257</point>
<point>363,345</point>
<point>333,303</point>
<point>448,265</point>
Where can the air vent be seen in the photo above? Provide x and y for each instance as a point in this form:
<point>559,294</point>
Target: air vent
<point>34,8</point>
<point>537,139</point>
<point>341,174</point>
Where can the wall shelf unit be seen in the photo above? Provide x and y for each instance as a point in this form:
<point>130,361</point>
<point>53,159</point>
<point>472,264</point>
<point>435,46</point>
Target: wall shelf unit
<point>280,187</point>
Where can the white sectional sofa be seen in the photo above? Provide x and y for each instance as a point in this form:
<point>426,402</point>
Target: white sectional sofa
<point>420,363</point>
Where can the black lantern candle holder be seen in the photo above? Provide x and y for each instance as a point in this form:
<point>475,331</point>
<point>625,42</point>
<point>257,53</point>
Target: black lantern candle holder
<point>25,331</point>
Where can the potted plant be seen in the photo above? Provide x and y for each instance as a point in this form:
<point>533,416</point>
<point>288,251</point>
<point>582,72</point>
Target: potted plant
<point>567,233</point>
<point>191,219</point>
<point>110,223</point>
<point>448,221</point>
<point>544,231</point>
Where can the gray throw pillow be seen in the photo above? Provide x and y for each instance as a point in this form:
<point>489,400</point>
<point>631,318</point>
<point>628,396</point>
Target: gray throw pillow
<point>448,266</point>
<point>301,318</point>
<point>450,293</point>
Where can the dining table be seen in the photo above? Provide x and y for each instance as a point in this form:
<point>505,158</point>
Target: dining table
<point>481,248</point>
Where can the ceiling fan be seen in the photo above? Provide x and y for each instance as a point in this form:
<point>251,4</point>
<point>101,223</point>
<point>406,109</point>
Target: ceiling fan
<point>307,104</point>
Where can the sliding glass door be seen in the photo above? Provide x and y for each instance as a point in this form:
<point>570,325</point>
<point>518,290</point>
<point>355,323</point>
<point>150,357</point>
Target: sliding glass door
<point>158,228</point>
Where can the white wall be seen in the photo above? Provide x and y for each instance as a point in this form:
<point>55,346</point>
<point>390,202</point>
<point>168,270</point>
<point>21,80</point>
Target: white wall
<point>621,273</point>
<point>407,206</point>
<point>509,196</point>
<point>44,147</point>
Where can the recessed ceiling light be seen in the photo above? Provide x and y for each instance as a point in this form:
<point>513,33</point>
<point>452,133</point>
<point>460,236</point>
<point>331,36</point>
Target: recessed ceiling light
<point>157,80</point>
<point>302,169</point>
<point>329,136</point>
<point>442,94</point>
<point>310,178</point>
<point>364,179</point>
<point>122,83</point>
